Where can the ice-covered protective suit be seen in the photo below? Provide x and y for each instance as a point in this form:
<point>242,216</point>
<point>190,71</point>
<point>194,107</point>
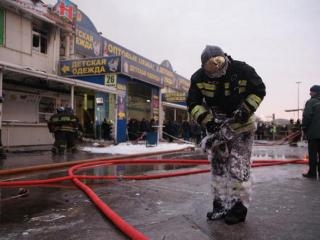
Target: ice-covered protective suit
<point>229,154</point>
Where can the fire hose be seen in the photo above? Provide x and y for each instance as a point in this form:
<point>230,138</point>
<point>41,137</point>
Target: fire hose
<point>121,224</point>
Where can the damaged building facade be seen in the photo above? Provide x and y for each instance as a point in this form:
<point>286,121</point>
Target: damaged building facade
<point>53,56</point>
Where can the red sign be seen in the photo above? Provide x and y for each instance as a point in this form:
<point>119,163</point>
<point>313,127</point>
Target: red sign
<point>66,9</point>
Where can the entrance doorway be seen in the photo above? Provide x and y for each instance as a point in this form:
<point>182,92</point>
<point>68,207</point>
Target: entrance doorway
<point>139,101</point>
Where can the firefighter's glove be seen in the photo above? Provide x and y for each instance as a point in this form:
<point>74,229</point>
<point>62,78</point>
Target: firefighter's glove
<point>213,126</point>
<point>242,114</point>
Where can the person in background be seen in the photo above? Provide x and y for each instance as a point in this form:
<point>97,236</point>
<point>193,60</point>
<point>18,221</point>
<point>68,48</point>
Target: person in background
<point>311,129</point>
<point>185,128</point>
<point>65,126</point>
<point>196,131</point>
<point>260,130</point>
<point>107,126</point>
<point>169,130</point>
<point>221,89</point>
<point>71,126</point>
<point>54,124</point>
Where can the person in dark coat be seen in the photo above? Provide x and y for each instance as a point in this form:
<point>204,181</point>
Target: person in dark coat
<point>311,128</point>
<point>169,130</point>
<point>107,129</point>
<point>196,131</point>
<point>186,129</point>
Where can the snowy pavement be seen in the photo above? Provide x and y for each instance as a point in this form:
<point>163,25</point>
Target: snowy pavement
<point>130,148</point>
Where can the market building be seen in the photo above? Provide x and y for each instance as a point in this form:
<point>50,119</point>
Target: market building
<point>53,56</point>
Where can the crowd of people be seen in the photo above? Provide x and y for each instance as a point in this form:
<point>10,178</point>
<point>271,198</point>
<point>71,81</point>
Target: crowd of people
<point>67,130</point>
<point>272,131</point>
<point>136,130</point>
<point>188,131</point>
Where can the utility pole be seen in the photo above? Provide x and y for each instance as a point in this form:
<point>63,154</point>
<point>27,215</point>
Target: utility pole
<point>298,99</point>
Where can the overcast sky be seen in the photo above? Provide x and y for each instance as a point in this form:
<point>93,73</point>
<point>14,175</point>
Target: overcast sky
<point>279,38</point>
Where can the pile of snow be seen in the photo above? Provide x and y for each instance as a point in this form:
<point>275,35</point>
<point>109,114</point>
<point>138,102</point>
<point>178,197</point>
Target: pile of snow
<point>129,148</point>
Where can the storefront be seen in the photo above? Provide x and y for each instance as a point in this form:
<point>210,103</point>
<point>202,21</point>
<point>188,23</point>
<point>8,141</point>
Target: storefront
<point>135,99</point>
<point>137,80</point>
<point>32,97</point>
<point>174,106</point>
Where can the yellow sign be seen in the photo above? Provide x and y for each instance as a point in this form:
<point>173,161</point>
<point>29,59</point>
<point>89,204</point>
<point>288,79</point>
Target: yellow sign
<point>110,80</point>
<point>175,97</point>
<point>92,66</point>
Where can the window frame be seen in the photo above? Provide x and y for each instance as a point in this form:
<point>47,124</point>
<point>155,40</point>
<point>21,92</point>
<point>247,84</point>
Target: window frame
<point>46,108</point>
<point>42,36</point>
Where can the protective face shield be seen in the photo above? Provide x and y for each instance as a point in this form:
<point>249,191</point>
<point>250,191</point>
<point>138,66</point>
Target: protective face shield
<point>214,64</point>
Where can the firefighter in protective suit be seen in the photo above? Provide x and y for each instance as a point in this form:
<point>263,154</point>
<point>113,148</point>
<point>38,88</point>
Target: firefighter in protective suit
<point>223,89</point>
<point>64,125</point>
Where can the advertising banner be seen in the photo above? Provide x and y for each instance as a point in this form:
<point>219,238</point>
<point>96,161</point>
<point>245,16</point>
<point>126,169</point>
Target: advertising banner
<point>90,43</point>
<point>90,66</point>
<point>155,104</point>
<point>87,42</point>
<point>174,97</point>
<point>140,72</point>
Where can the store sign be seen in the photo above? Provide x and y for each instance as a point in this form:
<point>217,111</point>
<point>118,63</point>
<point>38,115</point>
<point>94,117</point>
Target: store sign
<point>122,87</point>
<point>90,66</point>
<point>99,101</point>
<point>110,80</point>
<point>66,9</point>
<point>155,104</point>
<point>133,64</point>
<point>169,78</point>
<point>174,97</point>
<point>112,49</point>
<point>137,71</point>
<point>183,84</point>
<point>87,42</point>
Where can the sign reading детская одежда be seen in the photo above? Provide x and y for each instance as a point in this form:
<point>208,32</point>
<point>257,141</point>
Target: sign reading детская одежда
<point>90,66</point>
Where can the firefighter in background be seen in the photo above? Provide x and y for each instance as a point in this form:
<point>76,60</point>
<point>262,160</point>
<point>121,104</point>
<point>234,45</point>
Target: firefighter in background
<point>224,88</point>
<point>72,129</point>
<point>54,124</point>
<point>107,126</point>
<point>65,127</point>
<point>294,131</point>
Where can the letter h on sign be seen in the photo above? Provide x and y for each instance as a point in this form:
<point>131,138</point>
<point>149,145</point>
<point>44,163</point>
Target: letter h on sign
<point>66,9</point>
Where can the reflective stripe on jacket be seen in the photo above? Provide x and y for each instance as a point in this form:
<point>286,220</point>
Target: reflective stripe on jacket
<point>241,84</point>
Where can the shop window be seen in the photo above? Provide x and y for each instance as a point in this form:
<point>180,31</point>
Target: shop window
<point>46,108</point>
<point>39,40</point>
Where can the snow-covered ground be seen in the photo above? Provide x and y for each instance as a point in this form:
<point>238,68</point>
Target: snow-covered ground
<point>129,148</point>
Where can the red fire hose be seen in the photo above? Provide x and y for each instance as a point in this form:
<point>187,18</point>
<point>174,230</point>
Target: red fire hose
<point>125,227</point>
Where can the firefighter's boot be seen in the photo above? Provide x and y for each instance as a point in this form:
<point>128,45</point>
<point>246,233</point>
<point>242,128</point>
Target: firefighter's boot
<point>218,211</point>
<point>236,214</point>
